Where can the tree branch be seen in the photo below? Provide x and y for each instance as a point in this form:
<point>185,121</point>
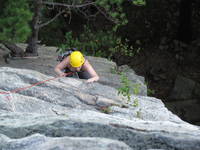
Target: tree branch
<point>105,15</point>
<point>80,6</point>
<point>88,16</point>
<point>69,6</point>
<point>48,22</point>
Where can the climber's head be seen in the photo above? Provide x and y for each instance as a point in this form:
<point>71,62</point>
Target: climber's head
<point>76,60</point>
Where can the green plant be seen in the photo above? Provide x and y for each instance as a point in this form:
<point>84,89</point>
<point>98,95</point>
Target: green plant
<point>71,42</point>
<point>114,70</point>
<point>122,48</point>
<point>14,21</point>
<point>105,43</point>
<point>89,42</point>
<point>114,12</point>
<point>139,2</point>
<point>135,102</point>
<point>149,91</point>
<point>127,89</point>
<point>95,42</point>
<point>136,88</point>
<point>101,44</point>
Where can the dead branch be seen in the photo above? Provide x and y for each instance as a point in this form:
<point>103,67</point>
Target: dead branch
<point>48,22</point>
<point>105,14</point>
<point>67,5</point>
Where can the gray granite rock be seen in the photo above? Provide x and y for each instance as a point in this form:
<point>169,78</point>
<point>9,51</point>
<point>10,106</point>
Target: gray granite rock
<point>67,113</point>
<point>183,88</point>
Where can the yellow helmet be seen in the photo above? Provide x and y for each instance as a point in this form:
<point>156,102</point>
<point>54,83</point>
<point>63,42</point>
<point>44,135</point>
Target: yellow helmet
<point>76,59</point>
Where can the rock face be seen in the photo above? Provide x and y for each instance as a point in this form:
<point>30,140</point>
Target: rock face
<point>183,88</point>
<point>185,99</point>
<point>46,62</point>
<point>69,114</point>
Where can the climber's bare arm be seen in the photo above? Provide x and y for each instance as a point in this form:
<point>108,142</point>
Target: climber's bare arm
<point>59,67</point>
<point>88,67</point>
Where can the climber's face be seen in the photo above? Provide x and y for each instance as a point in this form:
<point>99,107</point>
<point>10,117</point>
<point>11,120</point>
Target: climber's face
<point>74,69</point>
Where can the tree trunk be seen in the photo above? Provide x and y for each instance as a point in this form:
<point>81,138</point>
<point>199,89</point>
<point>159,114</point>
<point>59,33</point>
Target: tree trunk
<point>15,51</point>
<point>32,48</point>
<point>185,28</point>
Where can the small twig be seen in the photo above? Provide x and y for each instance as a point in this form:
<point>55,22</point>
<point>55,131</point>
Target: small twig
<point>105,15</point>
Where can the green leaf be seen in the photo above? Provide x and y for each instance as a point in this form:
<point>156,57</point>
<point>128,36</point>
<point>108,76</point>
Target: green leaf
<point>139,2</point>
